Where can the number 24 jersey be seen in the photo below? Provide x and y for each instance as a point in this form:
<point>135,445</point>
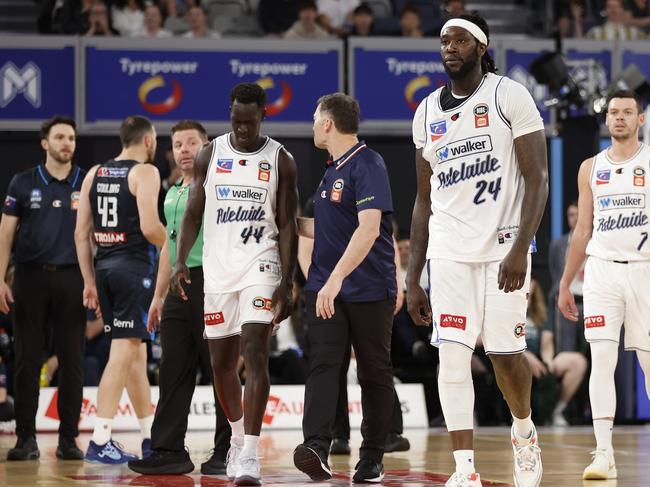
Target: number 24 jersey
<point>476,186</point>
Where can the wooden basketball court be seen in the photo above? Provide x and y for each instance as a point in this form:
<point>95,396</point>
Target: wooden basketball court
<point>429,462</point>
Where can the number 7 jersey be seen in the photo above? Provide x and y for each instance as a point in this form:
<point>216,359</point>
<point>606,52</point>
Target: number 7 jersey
<point>240,233</point>
<point>620,195</point>
<point>477,188</point>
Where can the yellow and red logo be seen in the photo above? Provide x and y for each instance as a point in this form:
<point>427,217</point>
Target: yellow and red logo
<point>163,107</point>
<point>413,87</point>
<point>282,102</point>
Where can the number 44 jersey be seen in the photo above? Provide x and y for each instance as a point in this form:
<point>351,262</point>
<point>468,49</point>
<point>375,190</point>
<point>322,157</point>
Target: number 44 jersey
<point>477,188</point>
<point>620,196</point>
<point>240,234</point>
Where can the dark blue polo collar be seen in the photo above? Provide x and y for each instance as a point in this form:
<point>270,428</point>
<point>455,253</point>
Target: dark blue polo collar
<point>348,156</point>
<point>72,177</point>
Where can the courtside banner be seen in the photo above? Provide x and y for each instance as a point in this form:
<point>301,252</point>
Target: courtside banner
<point>192,79</point>
<point>283,410</point>
<point>37,80</point>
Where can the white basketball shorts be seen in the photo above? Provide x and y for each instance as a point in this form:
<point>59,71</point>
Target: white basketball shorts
<point>224,314</point>
<point>616,293</point>
<point>466,302</point>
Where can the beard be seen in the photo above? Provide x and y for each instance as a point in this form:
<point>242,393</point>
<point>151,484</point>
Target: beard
<point>467,67</point>
<point>60,157</point>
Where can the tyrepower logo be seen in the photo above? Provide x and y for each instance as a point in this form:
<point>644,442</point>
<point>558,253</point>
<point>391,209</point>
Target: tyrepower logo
<point>453,321</point>
<point>594,321</point>
<point>211,319</point>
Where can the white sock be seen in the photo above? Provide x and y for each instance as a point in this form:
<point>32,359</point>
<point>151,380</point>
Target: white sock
<point>102,431</point>
<point>603,432</point>
<point>559,409</point>
<point>250,446</point>
<point>464,461</point>
<point>237,430</point>
<point>523,426</point>
<point>145,426</point>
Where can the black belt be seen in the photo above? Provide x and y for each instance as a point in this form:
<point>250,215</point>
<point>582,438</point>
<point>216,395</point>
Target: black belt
<point>621,261</point>
<point>50,267</point>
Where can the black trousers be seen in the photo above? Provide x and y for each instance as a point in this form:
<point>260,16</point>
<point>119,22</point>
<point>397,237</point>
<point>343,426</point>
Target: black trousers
<point>341,427</point>
<point>184,350</point>
<point>368,327</point>
<point>48,297</point>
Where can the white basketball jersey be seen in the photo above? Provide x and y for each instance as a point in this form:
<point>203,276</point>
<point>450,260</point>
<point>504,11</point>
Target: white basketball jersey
<point>620,192</point>
<point>240,235</point>
<point>476,186</point>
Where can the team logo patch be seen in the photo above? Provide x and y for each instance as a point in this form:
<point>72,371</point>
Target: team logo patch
<point>224,166</point>
<point>262,304</point>
<point>74,200</point>
<point>453,321</point>
<point>602,176</point>
<point>481,117</point>
<point>520,330</point>
<point>10,202</point>
<point>597,321</point>
<point>212,319</point>
<point>337,190</point>
<point>639,176</point>
<point>438,129</point>
<point>264,172</point>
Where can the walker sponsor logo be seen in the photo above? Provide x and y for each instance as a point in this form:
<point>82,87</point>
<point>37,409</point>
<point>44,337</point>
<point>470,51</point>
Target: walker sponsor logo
<point>112,172</point>
<point>621,201</point>
<point>240,68</point>
<point>398,67</point>
<point>283,411</point>
<point>453,321</point>
<point>122,323</point>
<point>212,319</point>
<point>110,238</point>
<point>465,147</point>
<point>241,193</point>
<point>594,321</point>
<point>131,67</point>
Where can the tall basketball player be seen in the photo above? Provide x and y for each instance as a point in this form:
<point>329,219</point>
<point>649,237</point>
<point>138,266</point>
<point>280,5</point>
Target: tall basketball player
<point>118,209</point>
<point>482,188</point>
<point>612,230</point>
<point>244,191</point>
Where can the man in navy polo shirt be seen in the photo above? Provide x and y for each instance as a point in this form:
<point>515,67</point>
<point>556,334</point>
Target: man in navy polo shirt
<point>350,291</point>
<point>39,214</point>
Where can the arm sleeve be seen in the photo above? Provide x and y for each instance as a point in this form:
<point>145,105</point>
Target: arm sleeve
<point>12,204</point>
<point>519,109</point>
<point>419,125</point>
<point>371,185</point>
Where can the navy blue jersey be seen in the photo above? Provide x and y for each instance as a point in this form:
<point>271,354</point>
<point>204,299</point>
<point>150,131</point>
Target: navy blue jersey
<point>47,209</point>
<point>355,182</point>
<point>115,215</point>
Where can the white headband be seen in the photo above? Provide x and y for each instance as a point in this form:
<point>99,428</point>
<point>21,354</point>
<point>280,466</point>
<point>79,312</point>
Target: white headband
<point>471,27</point>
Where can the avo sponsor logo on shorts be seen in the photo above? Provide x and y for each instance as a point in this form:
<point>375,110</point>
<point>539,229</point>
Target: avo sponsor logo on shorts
<point>212,319</point>
<point>594,321</point>
<point>453,321</point>
<point>262,304</point>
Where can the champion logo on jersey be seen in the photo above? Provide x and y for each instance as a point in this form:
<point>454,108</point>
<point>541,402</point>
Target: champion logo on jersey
<point>603,176</point>
<point>224,166</point>
<point>438,129</point>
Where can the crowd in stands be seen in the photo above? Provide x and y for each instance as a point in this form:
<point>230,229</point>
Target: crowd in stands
<point>318,19</point>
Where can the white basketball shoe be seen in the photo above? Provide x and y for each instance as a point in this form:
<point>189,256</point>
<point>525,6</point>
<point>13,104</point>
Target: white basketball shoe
<point>602,466</point>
